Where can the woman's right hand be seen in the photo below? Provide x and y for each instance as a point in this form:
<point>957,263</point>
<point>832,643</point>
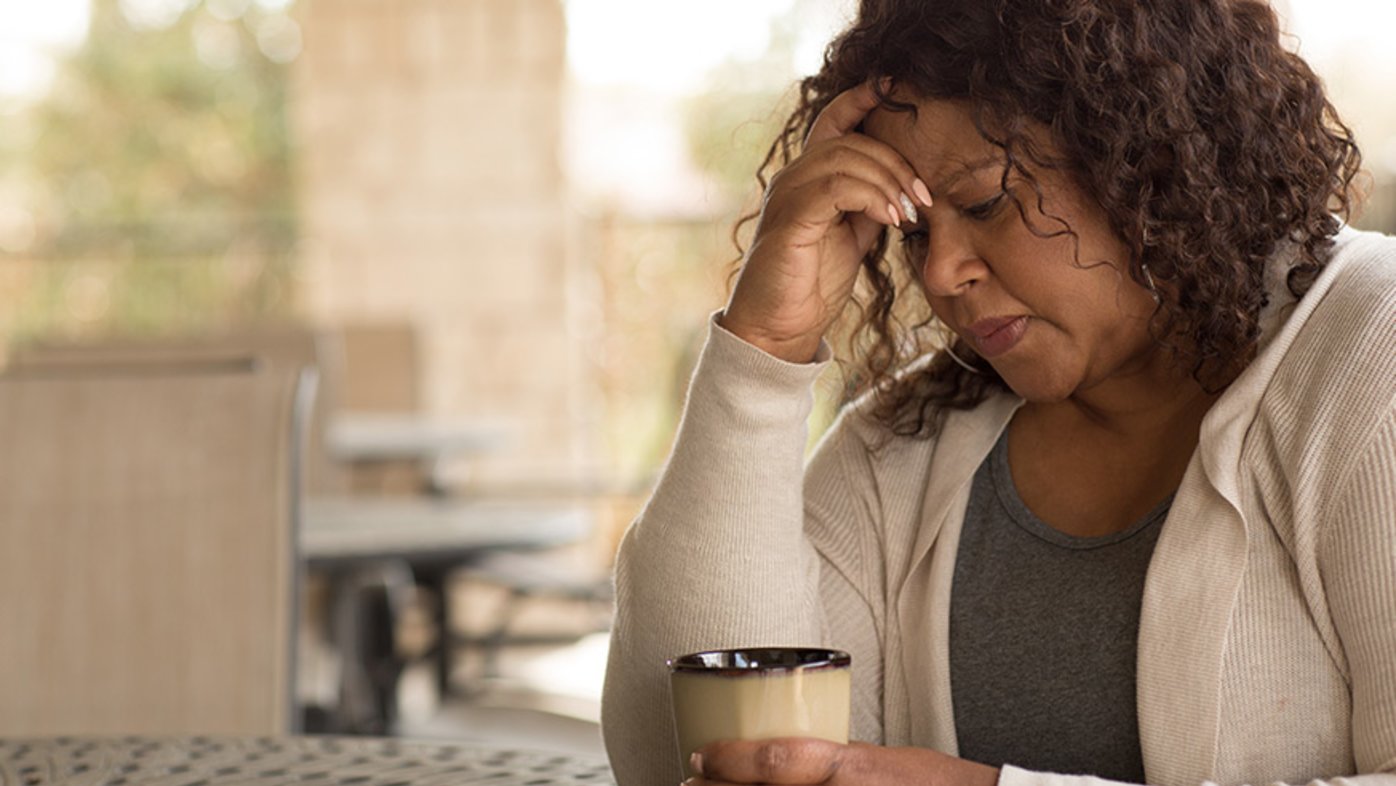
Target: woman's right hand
<point>821,214</point>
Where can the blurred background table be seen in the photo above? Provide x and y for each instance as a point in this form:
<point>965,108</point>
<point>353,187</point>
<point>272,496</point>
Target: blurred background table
<point>210,761</point>
<point>376,435</point>
<point>336,531</point>
<point>381,439</point>
<point>384,545</point>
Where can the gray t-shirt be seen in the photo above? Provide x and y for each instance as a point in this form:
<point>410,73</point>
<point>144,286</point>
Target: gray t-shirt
<point>1042,636</point>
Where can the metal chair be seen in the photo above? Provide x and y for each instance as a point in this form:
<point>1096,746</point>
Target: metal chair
<point>286,347</point>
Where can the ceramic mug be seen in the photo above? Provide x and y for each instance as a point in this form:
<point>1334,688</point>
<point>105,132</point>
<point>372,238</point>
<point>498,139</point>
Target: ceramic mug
<point>759,693</point>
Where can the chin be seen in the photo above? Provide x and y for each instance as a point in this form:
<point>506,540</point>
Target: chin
<point>1039,387</point>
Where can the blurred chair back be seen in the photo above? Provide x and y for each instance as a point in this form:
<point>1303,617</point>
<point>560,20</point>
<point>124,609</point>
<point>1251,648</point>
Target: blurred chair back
<point>381,368</point>
<point>380,375</point>
<point>289,347</point>
<point>148,572</point>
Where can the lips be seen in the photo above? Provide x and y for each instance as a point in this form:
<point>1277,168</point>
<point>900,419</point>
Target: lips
<point>997,335</point>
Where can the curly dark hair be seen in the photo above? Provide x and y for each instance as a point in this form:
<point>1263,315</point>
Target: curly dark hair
<point>1206,143</point>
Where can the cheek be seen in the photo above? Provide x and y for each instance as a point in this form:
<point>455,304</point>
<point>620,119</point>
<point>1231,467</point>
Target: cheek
<point>1073,224</point>
<point>1080,280</point>
<point>1099,318</point>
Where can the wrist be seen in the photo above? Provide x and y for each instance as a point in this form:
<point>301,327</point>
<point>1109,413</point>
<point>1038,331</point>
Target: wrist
<point>971,773</point>
<point>801,350</point>
<point>984,775</point>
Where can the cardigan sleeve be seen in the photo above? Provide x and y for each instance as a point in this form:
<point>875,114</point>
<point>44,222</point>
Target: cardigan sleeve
<point>719,557</point>
<point>1358,563</point>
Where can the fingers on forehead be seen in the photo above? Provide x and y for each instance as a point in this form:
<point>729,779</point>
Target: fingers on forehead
<point>845,112</point>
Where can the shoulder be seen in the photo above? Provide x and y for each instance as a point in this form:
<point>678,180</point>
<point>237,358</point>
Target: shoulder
<point>862,421</point>
<point>1346,344</point>
<point>860,443</point>
<point>1364,266</point>
<point>1334,381</point>
<point>864,473</point>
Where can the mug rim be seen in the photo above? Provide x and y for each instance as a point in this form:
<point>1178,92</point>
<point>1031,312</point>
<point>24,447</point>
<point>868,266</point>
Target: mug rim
<point>804,659</point>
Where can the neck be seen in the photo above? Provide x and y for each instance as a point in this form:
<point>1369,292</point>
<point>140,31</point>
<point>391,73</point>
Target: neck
<point>1098,461</point>
<point>1156,402</point>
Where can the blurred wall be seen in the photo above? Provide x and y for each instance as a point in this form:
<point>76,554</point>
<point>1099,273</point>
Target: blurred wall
<point>431,189</point>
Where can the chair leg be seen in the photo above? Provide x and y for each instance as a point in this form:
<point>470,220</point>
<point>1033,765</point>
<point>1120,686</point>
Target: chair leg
<point>367,604</point>
<point>435,582</point>
<point>493,641</point>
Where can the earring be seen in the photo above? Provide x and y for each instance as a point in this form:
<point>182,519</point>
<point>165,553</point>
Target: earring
<point>1149,279</point>
<point>967,367</point>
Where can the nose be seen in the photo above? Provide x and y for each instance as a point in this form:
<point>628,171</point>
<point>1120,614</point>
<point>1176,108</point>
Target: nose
<point>952,264</point>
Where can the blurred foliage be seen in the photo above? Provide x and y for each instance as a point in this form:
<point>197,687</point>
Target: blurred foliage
<point>730,124</point>
<point>158,173</point>
<point>729,131</point>
<point>656,279</point>
<point>659,279</point>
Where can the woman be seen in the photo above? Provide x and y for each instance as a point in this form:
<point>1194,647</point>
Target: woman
<point>1135,518</point>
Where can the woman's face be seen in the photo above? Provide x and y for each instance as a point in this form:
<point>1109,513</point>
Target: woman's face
<point>1055,316</point>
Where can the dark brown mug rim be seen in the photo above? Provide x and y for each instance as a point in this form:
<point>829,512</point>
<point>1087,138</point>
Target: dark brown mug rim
<point>818,658</point>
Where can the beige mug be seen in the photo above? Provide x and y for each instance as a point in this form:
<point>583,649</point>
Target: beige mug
<point>757,694</point>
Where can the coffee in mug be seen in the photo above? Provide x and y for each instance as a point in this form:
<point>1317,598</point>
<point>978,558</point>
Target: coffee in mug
<point>759,694</point>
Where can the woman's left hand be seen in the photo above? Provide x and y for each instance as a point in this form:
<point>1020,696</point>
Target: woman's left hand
<point>805,762</point>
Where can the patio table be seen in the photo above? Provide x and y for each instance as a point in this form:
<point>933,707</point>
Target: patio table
<point>341,530</point>
<point>392,541</point>
<point>369,439</point>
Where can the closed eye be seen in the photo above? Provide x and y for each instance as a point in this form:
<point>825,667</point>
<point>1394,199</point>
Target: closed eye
<point>914,238</point>
<point>915,244</point>
<point>984,210</point>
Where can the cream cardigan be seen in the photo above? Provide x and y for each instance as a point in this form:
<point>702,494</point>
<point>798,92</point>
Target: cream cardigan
<point>1267,641</point>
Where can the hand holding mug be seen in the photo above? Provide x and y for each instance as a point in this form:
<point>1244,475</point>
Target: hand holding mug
<point>807,762</point>
<point>759,694</point>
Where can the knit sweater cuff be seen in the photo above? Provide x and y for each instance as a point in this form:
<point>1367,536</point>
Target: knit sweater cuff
<point>754,369</point>
<point>1016,776</point>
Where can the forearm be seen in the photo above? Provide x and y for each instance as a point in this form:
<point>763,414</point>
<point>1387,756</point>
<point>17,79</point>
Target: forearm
<point>718,558</point>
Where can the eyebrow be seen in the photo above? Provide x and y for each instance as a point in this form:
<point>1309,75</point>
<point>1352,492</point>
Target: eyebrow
<point>966,170</point>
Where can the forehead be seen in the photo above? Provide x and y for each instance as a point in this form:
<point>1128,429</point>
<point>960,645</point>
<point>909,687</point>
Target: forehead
<point>940,140</point>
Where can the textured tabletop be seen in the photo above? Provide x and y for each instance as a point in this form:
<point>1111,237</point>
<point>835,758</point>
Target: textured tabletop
<point>209,761</point>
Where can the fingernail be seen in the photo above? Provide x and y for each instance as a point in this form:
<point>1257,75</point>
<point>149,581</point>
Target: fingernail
<point>892,211</point>
<point>695,762</point>
<point>908,208</point>
<point>922,193</point>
